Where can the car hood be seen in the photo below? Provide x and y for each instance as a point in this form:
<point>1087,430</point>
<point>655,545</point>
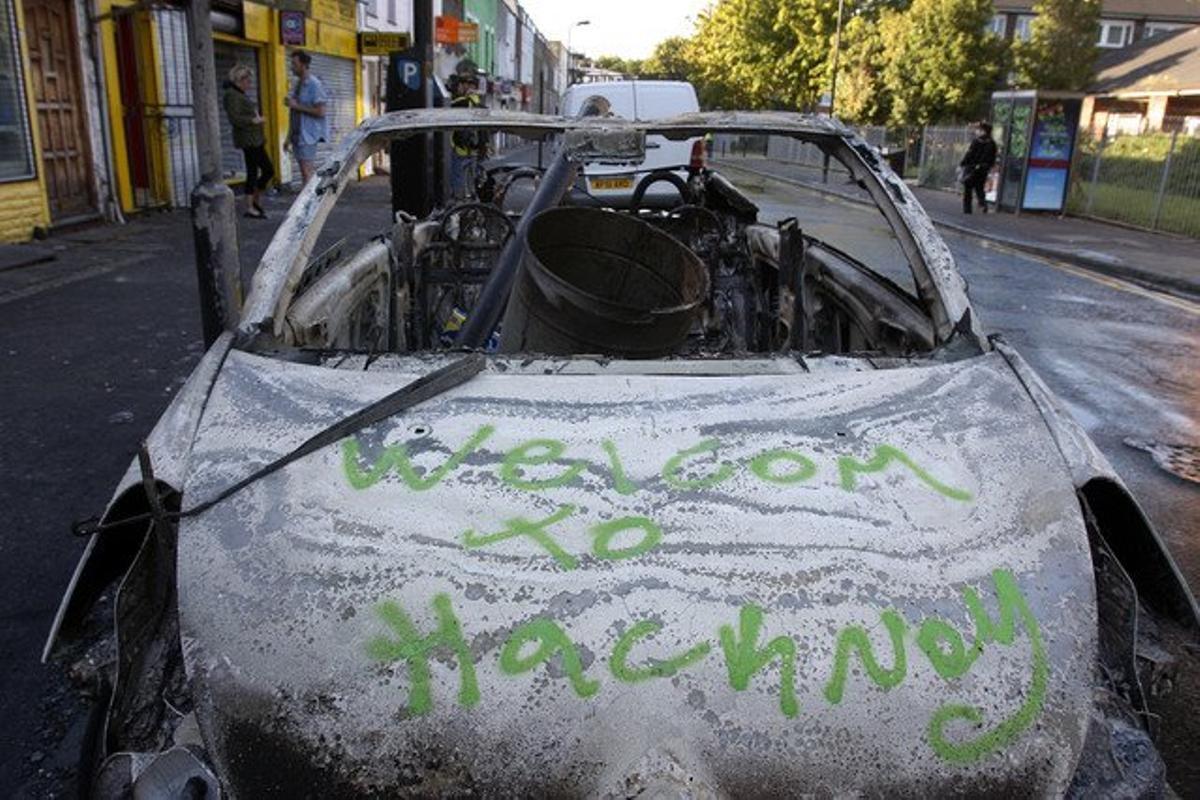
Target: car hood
<point>605,583</point>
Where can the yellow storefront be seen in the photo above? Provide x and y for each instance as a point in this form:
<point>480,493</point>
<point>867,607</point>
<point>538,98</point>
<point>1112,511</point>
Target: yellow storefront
<point>149,89</point>
<point>23,204</point>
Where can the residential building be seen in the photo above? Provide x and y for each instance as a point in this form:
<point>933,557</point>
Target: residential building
<point>53,154</point>
<point>1152,85</point>
<point>1122,23</point>
<point>380,16</point>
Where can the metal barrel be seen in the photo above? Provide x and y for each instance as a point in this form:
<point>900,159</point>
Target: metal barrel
<point>601,283</point>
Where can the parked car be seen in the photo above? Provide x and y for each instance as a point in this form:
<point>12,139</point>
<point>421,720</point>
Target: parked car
<point>728,513</point>
<point>662,178</point>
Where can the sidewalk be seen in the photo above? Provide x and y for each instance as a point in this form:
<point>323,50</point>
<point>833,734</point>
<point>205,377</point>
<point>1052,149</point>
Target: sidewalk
<point>1161,261</point>
<point>163,240</point>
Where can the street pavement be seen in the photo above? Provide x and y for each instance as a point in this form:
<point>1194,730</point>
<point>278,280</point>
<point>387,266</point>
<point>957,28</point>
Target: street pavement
<point>96,341</point>
<point>1162,261</point>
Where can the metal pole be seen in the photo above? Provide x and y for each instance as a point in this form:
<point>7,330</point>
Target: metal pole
<point>214,222</point>
<point>1162,184</point>
<point>1095,172</point>
<point>493,298</point>
<point>837,47</point>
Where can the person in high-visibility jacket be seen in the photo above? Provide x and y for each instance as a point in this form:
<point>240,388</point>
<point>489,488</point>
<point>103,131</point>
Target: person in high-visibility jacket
<point>466,147</point>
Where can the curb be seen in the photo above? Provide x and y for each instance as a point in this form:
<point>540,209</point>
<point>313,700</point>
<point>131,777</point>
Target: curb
<point>1187,290</point>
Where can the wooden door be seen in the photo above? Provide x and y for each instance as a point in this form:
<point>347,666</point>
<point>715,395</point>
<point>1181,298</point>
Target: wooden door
<point>58,95</point>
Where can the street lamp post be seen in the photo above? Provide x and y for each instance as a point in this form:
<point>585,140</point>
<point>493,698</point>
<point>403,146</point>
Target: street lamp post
<point>570,54</point>
<point>837,50</point>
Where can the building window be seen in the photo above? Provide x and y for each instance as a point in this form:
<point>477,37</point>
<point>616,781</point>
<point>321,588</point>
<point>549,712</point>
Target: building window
<point>16,144</point>
<point>1155,28</point>
<point>1115,33</point>
<point>392,11</point>
<point>369,5</point>
<point>998,24</point>
<point>1024,28</point>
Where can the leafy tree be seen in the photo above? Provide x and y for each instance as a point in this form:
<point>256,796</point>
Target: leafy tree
<point>672,60</point>
<point>861,96</point>
<point>940,61</point>
<point>630,66</point>
<point>1061,51</point>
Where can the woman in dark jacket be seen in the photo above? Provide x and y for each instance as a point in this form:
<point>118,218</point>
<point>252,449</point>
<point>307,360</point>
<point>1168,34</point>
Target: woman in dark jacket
<point>248,135</point>
<point>976,165</point>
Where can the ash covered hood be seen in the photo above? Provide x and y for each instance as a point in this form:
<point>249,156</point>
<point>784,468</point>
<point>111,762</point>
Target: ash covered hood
<point>845,581</point>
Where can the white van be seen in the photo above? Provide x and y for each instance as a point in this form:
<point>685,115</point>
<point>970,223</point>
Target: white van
<point>640,100</point>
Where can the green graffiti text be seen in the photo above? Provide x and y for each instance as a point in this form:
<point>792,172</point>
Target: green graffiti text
<point>551,640</point>
<point>885,454</point>
<point>619,663</point>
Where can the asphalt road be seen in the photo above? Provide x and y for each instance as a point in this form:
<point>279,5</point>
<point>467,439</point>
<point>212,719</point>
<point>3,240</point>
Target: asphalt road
<point>89,366</point>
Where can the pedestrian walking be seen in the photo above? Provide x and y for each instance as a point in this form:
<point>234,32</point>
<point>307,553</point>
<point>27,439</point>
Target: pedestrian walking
<point>248,137</point>
<point>308,122</point>
<point>976,165</point>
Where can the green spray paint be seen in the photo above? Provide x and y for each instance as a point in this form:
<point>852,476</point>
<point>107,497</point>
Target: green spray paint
<point>950,664</point>
<point>536,452</point>
<point>885,454</point>
<point>763,463</point>
<point>1012,607</point>
<point>551,640</point>
<point>854,637</point>
<point>519,526</point>
<point>619,662</point>
<point>605,532</point>
<point>675,464</point>
<point>415,650</point>
<point>397,456</point>
<point>743,657</point>
<point>621,481</point>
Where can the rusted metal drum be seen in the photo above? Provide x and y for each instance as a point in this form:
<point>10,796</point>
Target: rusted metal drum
<point>604,283</point>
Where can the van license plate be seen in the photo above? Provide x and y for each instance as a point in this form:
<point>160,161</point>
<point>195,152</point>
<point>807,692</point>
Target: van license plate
<point>611,183</point>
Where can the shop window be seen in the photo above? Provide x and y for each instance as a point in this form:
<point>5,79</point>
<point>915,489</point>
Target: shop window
<point>16,145</point>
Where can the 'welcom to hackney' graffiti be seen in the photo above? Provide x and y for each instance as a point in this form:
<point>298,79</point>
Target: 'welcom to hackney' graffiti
<point>540,465</point>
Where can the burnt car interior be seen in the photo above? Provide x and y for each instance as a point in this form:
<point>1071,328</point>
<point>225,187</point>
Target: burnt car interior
<point>537,264</point>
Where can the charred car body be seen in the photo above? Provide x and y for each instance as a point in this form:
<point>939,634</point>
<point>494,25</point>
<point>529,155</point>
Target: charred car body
<point>727,513</point>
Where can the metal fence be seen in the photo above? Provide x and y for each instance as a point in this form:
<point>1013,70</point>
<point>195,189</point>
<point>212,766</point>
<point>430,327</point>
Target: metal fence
<point>806,154</point>
<point>942,148</point>
<point>1149,179</point>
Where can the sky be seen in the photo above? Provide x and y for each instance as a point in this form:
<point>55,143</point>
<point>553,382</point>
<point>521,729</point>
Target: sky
<point>626,28</point>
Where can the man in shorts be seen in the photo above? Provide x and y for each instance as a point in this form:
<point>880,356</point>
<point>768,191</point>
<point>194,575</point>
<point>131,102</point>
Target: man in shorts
<point>308,120</point>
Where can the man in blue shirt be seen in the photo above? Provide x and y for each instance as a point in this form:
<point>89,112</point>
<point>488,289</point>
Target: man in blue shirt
<point>308,123</point>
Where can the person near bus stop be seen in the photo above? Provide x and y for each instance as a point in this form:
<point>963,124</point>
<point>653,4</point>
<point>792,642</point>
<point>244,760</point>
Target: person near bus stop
<point>466,147</point>
<point>248,136</point>
<point>308,118</point>
<point>976,165</point>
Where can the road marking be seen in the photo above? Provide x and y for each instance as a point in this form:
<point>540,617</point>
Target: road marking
<point>1096,277</point>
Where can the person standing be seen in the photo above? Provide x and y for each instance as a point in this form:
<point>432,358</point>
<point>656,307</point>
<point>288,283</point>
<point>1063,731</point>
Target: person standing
<point>308,120</point>
<point>248,136</point>
<point>976,165</point>
<point>466,147</point>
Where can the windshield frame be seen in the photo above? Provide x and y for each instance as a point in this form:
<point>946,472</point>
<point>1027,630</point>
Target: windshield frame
<point>940,288</point>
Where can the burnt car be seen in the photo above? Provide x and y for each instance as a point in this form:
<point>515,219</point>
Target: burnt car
<point>559,500</point>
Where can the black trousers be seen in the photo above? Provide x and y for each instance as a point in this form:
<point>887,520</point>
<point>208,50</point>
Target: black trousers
<point>259,169</point>
<point>974,185</point>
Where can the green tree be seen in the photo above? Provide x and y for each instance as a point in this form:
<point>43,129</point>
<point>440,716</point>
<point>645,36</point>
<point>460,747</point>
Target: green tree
<point>1061,51</point>
<point>940,61</point>
<point>765,53</point>
<point>671,60</point>
<point>861,95</point>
